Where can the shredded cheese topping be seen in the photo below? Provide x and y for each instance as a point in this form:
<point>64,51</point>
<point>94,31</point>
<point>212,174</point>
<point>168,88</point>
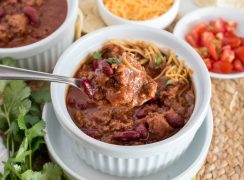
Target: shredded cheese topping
<point>138,9</point>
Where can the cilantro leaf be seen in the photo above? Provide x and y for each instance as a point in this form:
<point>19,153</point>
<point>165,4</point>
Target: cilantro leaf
<point>22,152</point>
<point>8,62</point>
<point>36,130</point>
<point>158,60</point>
<point>169,82</point>
<point>42,95</point>
<point>97,55</point>
<point>114,60</point>
<point>50,171</point>
<point>21,118</point>
<point>16,95</point>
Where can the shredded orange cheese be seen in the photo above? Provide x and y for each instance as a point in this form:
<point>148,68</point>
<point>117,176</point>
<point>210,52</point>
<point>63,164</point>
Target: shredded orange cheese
<point>138,9</point>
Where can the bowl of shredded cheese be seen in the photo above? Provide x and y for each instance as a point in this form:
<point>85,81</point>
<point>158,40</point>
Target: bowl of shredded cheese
<point>154,13</point>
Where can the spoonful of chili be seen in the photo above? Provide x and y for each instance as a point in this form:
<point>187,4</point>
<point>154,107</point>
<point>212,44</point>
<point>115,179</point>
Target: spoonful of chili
<point>12,73</point>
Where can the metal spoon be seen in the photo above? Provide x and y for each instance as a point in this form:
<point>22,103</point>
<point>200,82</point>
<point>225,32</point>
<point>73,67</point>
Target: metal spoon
<point>12,73</point>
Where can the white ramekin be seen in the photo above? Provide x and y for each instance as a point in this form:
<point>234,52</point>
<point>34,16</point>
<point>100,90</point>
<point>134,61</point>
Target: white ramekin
<point>160,22</point>
<point>208,14</point>
<point>43,55</point>
<point>130,161</point>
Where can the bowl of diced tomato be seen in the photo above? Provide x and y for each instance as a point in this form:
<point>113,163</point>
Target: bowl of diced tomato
<point>217,34</point>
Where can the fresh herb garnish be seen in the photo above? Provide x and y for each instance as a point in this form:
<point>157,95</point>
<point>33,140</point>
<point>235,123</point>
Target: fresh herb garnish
<point>23,129</point>
<point>158,59</point>
<point>114,60</point>
<point>169,82</point>
<point>97,55</point>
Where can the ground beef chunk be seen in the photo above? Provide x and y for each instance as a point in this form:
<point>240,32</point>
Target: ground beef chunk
<point>158,125</point>
<point>18,23</point>
<point>12,1</point>
<point>135,88</point>
<point>3,33</point>
<point>33,2</point>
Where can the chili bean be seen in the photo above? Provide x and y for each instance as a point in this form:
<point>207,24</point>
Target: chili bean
<point>2,13</point>
<point>175,120</point>
<point>140,113</point>
<point>32,15</point>
<point>96,64</point>
<point>87,87</point>
<point>82,106</point>
<point>107,69</point>
<point>141,128</point>
<point>92,133</point>
<point>126,135</point>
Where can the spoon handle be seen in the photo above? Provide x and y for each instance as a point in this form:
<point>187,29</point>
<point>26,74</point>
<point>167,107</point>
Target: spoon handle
<point>12,73</point>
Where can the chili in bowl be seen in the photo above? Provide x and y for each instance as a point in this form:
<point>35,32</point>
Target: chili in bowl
<point>141,105</point>
<point>36,32</point>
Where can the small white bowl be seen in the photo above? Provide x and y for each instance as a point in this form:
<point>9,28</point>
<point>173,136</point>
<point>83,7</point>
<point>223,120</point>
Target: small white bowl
<point>130,161</point>
<point>43,55</point>
<point>205,15</point>
<point>160,22</point>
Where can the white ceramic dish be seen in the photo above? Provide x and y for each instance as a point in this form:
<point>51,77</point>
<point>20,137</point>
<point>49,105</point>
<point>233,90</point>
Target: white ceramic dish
<point>183,169</point>
<point>205,15</point>
<point>130,161</point>
<point>160,22</point>
<point>43,55</point>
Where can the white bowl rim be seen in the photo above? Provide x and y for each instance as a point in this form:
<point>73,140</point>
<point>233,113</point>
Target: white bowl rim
<point>118,18</point>
<point>79,135</point>
<point>49,38</point>
<point>182,22</point>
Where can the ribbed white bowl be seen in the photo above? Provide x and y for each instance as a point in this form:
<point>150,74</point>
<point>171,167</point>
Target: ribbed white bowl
<point>43,55</point>
<point>130,161</point>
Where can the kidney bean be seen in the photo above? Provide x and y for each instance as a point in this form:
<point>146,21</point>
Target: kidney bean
<point>2,13</point>
<point>92,133</point>
<point>82,106</point>
<point>32,15</point>
<point>140,113</point>
<point>141,128</point>
<point>175,120</point>
<point>87,87</point>
<point>107,69</point>
<point>96,64</point>
<point>126,135</point>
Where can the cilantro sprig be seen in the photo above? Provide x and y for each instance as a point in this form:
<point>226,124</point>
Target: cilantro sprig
<point>114,60</point>
<point>23,129</point>
<point>97,55</point>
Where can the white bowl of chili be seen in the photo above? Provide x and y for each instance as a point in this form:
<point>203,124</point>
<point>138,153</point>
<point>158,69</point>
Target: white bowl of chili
<point>226,29</point>
<point>158,21</point>
<point>41,54</point>
<point>137,160</point>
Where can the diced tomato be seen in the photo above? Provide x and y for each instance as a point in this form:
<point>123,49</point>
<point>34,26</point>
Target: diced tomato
<point>213,51</point>
<point>203,52</point>
<point>208,63</point>
<point>206,38</point>
<point>198,29</point>
<point>222,67</point>
<point>239,52</point>
<point>230,34</point>
<point>234,42</point>
<point>238,66</point>
<point>231,26</point>
<point>227,54</point>
<point>242,41</point>
<point>220,36</point>
<point>191,40</point>
<point>219,25</point>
